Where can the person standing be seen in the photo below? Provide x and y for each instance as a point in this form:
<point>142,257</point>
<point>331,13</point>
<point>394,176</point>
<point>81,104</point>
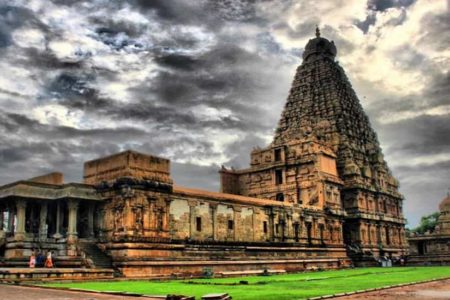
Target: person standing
<point>32,262</point>
<point>49,261</point>
<point>40,260</point>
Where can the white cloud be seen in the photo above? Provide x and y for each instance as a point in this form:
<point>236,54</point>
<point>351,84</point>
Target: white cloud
<point>55,114</point>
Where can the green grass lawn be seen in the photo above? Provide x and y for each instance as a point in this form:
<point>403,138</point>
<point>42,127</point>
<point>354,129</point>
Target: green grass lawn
<point>288,286</point>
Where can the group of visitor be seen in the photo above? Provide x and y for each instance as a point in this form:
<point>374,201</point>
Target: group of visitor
<point>39,260</point>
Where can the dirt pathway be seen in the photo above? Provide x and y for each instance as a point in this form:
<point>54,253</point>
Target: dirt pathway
<point>436,290</point>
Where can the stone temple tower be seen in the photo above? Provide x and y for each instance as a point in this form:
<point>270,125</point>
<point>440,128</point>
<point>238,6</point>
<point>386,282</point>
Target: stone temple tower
<point>323,109</point>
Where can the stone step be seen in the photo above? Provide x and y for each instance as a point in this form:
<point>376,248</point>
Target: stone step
<point>98,257</point>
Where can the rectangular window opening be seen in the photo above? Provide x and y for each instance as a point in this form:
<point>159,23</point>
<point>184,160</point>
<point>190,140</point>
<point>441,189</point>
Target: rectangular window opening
<point>280,197</point>
<point>230,224</point>
<point>265,226</point>
<point>278,176</point>
<point>199,223</point>
<point>277,154</point>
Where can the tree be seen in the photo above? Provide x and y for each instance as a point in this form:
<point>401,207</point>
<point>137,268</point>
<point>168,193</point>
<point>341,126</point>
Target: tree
<point>427,223</point>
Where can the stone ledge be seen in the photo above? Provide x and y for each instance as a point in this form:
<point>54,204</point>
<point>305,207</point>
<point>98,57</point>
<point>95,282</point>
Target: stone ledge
<point>42,274</point>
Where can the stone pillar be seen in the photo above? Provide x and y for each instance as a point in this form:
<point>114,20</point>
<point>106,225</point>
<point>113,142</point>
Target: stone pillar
<point>21,210</point>
<point>72,234</point>
<point>314,230</point>
<point>213,208</point>
<point>150,224</point>
<point>57,234</point>
<point>289,227</point>
<point>341,232</point>
<point>2,227</point>
<point>166,216</point>
<point>100,217</point>
<point>254,223</point>
<point>272,225</point>
<point>192,205</point>
<point>43,221</point>
<point>72,222</point>
<point>90,220</point>
<point>10,220</point>
<point>2,211</point>
<point>236,219</point>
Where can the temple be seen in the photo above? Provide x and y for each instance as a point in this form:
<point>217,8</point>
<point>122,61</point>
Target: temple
<point>323,122</point>
<point>319,196</point>
<point>433,248</point>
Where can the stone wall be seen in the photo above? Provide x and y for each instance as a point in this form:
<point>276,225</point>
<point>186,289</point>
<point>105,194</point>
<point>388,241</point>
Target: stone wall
<point>127,164</point>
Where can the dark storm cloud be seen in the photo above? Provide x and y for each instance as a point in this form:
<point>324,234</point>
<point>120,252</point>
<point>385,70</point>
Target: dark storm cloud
<point>178,61</point>
<point>211,12</point>
<point>433,96</point>
<point>437,35</point>
<point>239,151</point>
<point>194,176</point>
<point>45,60</point>
<point>11,18</point>
<point>22,125</point>
<point>439,90</point>
<point>382,5</point>
<point>423,135</point>
<point>58,148</point>
<point>188,80</point>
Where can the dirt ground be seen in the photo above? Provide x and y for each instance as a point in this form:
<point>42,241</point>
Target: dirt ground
<point>437,290</point>
<point>11,292</point>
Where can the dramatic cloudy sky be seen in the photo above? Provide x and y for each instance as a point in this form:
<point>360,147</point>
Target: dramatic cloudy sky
<point>202,82</point>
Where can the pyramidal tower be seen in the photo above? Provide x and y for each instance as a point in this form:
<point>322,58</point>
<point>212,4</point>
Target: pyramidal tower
<point>326,157</point>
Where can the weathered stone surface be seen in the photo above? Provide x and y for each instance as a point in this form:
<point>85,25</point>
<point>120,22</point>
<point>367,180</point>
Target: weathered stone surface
<point>127,164</point>
<point>51,178</point>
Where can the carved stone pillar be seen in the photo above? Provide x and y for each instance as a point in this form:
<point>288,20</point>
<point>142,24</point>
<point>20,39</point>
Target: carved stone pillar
<point>150,221</point>
<point>166,216</point>
<point>289,227</point>
<point>314,230</point>
<point>379,240</point>
<point>72,222</point>
<point>21,210</point>
<point>43,221</point>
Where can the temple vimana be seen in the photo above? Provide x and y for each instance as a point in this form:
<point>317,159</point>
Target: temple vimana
<point>319,196</point>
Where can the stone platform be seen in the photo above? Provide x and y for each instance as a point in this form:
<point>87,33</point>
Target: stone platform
<point>199,268</point>
<point>43,274</point>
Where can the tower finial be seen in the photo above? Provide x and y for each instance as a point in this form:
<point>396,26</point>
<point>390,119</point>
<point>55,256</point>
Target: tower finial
<point>317,31</point>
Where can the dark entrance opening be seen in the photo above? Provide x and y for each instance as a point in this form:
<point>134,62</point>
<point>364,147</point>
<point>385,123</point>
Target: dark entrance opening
<point>308,232</point>
<point>296,232</point>
<point>421,248</point>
